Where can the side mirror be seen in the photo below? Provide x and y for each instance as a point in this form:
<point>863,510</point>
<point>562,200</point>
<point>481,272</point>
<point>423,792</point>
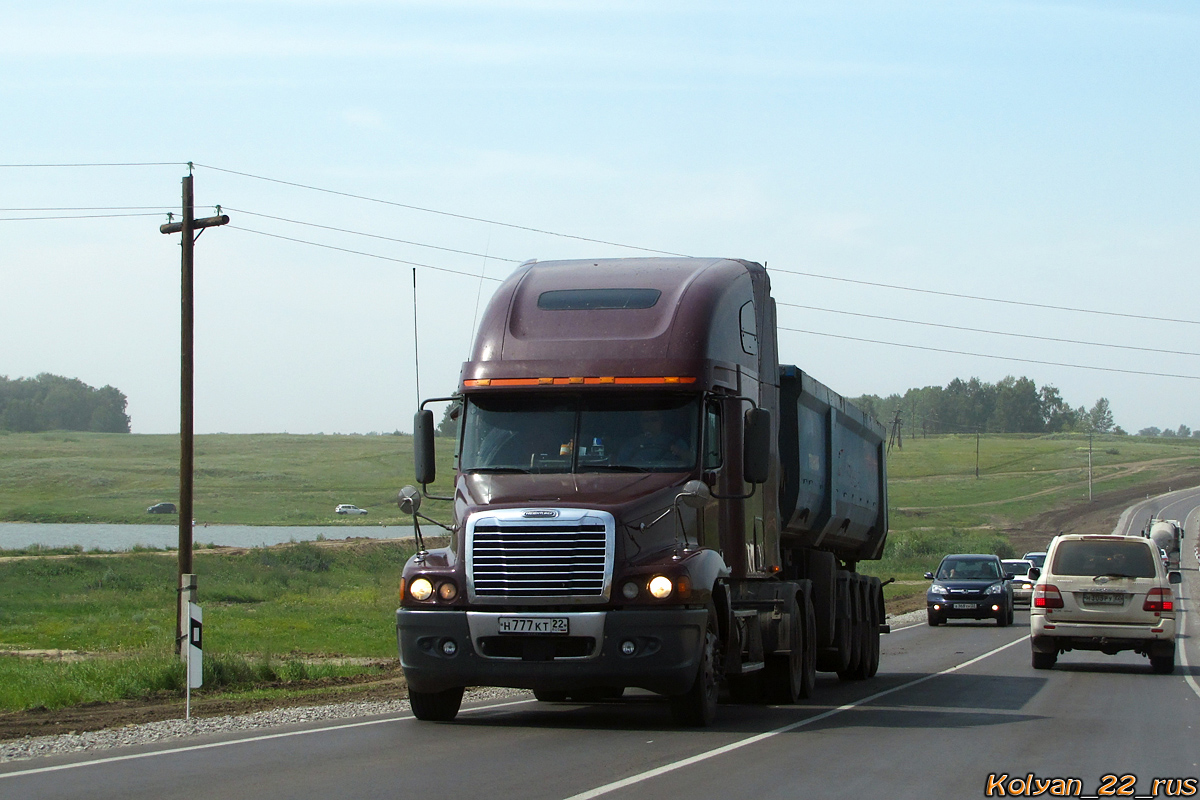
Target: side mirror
<point>695,494</point>
<point>756,445</point>
<point>1175,576</point>
<point>423,447</point>
<point>1034,573</point>
<point>409,500</point>
<point>928,576</point>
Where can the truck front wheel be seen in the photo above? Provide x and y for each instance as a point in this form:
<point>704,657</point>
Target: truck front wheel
<point>436,706</point>
<point>697,707</point>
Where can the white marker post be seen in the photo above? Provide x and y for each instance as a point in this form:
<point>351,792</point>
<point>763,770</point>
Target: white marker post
<point>195,654</point>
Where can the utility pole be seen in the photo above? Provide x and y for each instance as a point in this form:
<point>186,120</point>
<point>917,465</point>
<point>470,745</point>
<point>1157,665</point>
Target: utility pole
<point>976,454</point>
<point>1089,467</point>
<point>188,226</point>
<point>897,437</point>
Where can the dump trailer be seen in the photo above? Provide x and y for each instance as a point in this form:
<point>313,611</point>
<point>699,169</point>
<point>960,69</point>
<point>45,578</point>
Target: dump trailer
<point>643,496</point>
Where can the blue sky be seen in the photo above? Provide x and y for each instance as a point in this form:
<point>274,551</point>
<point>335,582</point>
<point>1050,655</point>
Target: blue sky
<point>1042,152</point>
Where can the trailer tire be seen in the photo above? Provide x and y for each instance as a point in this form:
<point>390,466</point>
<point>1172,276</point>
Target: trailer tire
<point>544,696</point>
<point>697,707</point>
<point>436,706</point>
<point>808,680</point>
<point>785,672</point>
<point>872,665</point>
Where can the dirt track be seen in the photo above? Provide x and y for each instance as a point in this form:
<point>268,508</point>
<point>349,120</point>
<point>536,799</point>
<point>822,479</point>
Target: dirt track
<point>1099,516</point>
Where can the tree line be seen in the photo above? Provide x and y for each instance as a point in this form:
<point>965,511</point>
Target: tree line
<point>54,403</point>
<point>1012,405</point>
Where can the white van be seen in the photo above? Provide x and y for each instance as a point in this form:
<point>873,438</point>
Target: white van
<point>1103,593</point>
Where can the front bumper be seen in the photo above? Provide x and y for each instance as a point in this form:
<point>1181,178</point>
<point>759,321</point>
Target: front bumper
<point>1050,635</point>
<point>967,609</point>
<point>667,650</point>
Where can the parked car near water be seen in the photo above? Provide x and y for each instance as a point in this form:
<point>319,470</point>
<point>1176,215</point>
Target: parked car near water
<point>162,508</point>
<point>346,508</point>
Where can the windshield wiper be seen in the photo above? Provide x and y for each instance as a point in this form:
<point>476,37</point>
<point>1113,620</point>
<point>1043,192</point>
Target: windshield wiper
<point>500,470</point>
<point>611,468</point>
<point>1114,575</point>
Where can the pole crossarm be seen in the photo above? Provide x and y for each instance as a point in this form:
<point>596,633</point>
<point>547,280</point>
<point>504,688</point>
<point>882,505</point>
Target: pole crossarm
<point>203,222</point>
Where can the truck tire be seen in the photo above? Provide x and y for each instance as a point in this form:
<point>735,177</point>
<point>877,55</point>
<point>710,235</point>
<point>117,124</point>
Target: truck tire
<point>808,679</point>
<point>697,707</point>
<point>785,672</point>
<point>436,706</point>
<point>873,623</point>
<point>544,696</point>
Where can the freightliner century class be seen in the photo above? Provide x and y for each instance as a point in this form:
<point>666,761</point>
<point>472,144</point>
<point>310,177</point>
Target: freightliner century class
<point>644,497</point>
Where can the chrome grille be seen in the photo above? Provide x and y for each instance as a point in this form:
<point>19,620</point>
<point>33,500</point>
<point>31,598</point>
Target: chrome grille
<point>527,555</point>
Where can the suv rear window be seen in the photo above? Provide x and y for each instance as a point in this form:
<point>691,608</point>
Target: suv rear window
<point>1081,557</point>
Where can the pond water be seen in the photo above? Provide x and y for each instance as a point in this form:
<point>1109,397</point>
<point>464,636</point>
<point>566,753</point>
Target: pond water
<point>102,536</point>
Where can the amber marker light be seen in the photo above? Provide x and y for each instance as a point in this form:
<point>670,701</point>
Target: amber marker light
<point>420,589</point>
<point>402,590</point>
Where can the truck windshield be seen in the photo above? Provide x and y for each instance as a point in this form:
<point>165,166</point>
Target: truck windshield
<point>603,433</point>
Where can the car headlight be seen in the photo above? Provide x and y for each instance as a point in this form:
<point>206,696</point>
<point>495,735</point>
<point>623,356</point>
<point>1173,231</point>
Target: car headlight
<point>995,588</point>
<point>937,588</point>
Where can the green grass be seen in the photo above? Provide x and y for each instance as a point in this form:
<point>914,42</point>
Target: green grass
<point>287,603</point>
<point>267,479</point>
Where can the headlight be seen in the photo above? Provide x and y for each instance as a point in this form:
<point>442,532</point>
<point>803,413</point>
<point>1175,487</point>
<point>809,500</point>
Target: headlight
<point>937,588</point>
<point>995,588</point>
<point>660,587</point>
<point>420,589</point>
<point>630,590</point>
<point>447,591</point>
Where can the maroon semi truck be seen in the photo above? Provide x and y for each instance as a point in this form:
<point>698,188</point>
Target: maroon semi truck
<point>644,497</point>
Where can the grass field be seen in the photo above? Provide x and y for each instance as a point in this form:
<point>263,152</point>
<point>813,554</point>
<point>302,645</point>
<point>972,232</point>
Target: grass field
<point>300,610</point>
<point>267,479</point>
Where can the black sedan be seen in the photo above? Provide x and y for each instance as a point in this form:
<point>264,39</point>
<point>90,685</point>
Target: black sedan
<point>969,586</point>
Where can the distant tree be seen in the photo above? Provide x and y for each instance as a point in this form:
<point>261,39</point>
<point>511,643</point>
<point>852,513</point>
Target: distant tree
<point>1196,433</point>
<point>1057,416</point>
<point>1100,418</point>
<point>1168,433</point>
<point>449,424</point>
<point>52,402</point>
<point>1151,431</point>
<point>1017,407</point>
<point>1184,431</point>
<point>1119,431</point>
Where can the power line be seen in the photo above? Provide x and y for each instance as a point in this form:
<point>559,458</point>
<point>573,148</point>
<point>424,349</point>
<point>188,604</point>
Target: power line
<point>998,358</point>
<point>359,253</point>
<point>987,299</point>
<point>439,212</point>
<point>373,235</point>
<point>106,164</point>
<point>163,208</point>
<point>993,333</point>
<point>82,216</point>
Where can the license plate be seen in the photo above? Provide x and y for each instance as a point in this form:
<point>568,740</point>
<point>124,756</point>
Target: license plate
<point>1098,599</point>
<point>532,625</point>
<point>964,605</point>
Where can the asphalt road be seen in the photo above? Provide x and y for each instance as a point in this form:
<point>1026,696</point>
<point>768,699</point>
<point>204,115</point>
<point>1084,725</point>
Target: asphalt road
<point>950,707</point>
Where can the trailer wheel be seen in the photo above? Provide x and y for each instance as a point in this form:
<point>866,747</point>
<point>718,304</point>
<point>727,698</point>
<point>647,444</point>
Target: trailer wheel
<point>873,641</point>
<point>697,707</point>
<point>785,673</point>
<point>436,706</point>
<point>544,696</point>
<point>808,680</point>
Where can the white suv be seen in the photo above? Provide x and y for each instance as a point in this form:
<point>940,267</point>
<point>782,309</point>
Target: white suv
<point>346,508</point>
<point>1105,593</point>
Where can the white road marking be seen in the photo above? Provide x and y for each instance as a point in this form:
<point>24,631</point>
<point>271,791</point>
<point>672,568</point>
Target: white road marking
<point>263,738</point>
<point>719,751</point>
